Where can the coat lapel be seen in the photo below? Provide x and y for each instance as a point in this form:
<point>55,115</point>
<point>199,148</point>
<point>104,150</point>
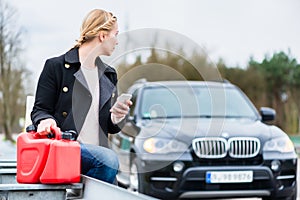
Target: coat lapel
<point>106,89</point>
<point>106,86</point>
<point>80,78</point>
<point>81,99</point>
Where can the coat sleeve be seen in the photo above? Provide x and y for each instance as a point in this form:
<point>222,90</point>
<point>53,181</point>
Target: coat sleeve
<point>46,95</point>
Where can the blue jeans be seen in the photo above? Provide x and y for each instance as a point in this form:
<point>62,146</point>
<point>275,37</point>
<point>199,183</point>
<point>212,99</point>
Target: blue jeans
<point>99,162</point>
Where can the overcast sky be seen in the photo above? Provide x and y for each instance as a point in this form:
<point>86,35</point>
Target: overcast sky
<point>230,29</point>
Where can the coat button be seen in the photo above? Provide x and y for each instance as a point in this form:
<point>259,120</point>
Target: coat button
<point>64,114</point>
<point>67,66</point>
<point>113,95</point>
<point>65,89</point>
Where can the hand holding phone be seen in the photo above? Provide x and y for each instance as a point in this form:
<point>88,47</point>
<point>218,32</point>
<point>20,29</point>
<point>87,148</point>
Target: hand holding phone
<point>118,110</point>
<point>124,97</point>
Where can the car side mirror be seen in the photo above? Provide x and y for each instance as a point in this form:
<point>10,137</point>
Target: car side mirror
<point>130,128</point>
<point>267,114</point>
<point>131,119</point>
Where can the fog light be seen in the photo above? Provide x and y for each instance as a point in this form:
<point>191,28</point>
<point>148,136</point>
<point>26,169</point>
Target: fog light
<point>178,166</point>
<point>275,165</point>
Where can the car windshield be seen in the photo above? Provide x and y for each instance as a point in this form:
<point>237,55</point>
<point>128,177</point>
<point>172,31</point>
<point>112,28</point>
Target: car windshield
<point>200,101</point>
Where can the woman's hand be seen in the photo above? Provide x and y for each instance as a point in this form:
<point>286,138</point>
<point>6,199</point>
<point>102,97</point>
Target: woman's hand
<point>119,111</point>
<point>44,127</point>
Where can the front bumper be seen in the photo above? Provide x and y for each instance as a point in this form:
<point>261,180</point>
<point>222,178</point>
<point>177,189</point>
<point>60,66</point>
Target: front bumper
<point>165,183</point>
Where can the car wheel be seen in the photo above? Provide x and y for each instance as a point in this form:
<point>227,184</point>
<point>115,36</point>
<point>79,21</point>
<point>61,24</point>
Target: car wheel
<point>135,178</point>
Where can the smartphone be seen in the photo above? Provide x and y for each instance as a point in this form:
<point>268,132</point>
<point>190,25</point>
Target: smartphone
<point>124,97</point>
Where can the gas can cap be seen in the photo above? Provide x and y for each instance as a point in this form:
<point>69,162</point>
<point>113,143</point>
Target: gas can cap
<point>30,128</point>
<point>69,135</point>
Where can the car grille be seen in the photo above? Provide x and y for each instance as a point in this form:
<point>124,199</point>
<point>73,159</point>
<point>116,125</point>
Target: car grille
<point>243,147</point>
<point>217,147</point>
<point>213,147</point>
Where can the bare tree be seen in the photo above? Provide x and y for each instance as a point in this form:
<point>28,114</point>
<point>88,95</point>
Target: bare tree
<point>11,71</point>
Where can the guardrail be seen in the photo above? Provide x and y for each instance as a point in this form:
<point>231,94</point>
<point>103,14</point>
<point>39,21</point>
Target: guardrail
<point>87,189</point>
<point>8,171</point>
<point>36,191</point>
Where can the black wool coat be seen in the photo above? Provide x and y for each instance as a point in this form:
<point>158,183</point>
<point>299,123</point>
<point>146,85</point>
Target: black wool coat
<point>63,95</point>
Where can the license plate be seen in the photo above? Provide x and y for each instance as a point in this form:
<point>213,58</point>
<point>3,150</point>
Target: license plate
<point>229,176</point>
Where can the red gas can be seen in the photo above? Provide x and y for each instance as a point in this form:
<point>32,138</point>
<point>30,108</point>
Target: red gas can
<point>32,153</point>
<point>48,160</point>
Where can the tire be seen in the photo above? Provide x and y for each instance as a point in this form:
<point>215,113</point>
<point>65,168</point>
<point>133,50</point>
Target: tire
<point>135,177</point>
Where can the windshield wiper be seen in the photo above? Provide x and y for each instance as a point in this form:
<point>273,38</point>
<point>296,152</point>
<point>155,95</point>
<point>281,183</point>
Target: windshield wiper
<point>163,117</point>
<point>239,117</point>
<point>216,116</point>
<point>197,116</point>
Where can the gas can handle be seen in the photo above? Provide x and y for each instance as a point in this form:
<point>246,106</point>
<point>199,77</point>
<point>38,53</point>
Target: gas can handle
<point>32,130</point>
<point>56,131</point>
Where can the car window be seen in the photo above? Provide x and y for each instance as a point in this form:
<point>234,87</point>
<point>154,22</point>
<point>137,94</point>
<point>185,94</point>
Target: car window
<point>162,102</point>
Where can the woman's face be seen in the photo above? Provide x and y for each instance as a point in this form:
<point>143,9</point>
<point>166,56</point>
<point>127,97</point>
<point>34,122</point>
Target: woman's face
<point>110,41</point>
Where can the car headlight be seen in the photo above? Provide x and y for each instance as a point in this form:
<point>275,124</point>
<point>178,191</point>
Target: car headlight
<point>281,144</point>
<point>161,145</point>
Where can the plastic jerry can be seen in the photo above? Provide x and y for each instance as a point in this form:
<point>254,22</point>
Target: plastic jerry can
<point>32,153</point>
<point>63,163</point>
<point>52,160</point>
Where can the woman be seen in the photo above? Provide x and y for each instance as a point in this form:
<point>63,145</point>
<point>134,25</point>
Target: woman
<point>76,91</point>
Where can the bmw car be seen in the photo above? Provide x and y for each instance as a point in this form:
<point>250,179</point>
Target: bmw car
<point>201,140</point>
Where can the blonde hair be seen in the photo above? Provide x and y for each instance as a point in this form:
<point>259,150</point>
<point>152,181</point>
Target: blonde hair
<point>97,20</point>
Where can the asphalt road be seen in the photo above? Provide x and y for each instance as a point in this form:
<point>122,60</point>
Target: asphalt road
<point>8,152</point>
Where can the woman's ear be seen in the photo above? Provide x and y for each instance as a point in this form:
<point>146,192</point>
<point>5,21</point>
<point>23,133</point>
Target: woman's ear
<point>101,36</point>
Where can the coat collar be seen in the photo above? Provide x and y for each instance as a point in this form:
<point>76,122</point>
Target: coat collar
<point>106,86</point>
<point>72,56</point>
<point>102,66</point>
